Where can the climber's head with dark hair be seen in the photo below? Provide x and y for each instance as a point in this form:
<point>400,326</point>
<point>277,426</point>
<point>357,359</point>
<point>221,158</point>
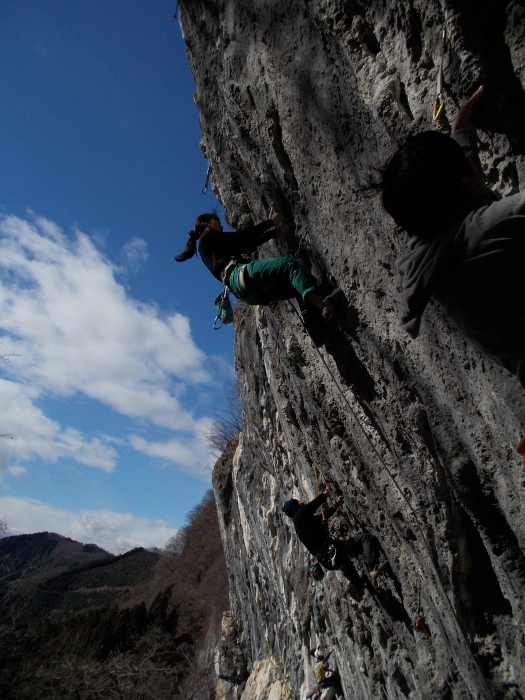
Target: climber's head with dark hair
<point>422,182</point>
<point>202,223</point>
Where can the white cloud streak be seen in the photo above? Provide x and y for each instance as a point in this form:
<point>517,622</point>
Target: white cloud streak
<point>186,453</point>
<point>135,252</point>
<point>36,436</point>
<point>76,331</point>
<point>115,532</point>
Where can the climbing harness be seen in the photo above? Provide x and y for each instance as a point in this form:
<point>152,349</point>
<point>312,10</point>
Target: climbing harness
<point>216,159</point>
<point>439,104</point>
<point>224,309</point>
<point>222,302</point>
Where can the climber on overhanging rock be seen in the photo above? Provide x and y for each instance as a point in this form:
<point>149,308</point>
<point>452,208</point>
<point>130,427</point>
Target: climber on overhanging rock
<point>261,281</point>
<point>312,530</point>
<point>467,246</point>
<point>326,678</point>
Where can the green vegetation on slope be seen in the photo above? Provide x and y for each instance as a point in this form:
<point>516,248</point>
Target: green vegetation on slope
<point>125,627</point>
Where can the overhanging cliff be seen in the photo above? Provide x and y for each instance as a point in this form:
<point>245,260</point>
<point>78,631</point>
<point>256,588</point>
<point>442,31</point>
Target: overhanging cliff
<point>307,98</point>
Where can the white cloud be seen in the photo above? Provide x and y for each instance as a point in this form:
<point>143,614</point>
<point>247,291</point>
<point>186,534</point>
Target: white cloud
<point>112,531</point>
<point>135,252</point>
<point>192,454</point>
<point>75,330</point>
<point>36,436</point>
<point>18,472</point>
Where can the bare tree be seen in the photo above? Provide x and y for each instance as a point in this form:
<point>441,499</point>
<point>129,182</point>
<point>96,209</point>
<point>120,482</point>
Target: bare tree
<point>228,422</point>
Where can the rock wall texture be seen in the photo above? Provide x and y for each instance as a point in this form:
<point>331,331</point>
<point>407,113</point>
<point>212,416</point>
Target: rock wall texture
<point>307,97</point>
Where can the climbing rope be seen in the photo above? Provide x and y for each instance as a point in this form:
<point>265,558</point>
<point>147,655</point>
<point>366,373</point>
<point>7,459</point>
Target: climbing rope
<point>216,159</point>
<point>404,497</point>
<point>419,620</point>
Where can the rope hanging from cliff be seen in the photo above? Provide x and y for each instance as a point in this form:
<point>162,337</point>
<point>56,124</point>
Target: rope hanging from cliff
<point>405,499</point>
<point>419,620</point>
<point>439,105</point>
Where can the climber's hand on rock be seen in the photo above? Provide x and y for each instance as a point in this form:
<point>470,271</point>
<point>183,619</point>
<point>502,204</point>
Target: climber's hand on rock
<point>282,229</point>
<point>463,117</point>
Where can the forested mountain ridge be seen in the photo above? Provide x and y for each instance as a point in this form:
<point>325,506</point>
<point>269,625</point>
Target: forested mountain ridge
<point>77,621</point>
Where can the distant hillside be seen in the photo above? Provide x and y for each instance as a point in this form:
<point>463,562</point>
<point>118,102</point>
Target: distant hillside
<point>32,557</point>
<point>24,556</point>
<point>46,576</point>
<point>73,618</point>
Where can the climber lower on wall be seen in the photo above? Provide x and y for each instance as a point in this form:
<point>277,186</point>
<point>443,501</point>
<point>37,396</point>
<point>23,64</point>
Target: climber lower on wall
<point>311,529</point>
<point>327,682</point>
<point>327,689</point>
<point>261,281</point>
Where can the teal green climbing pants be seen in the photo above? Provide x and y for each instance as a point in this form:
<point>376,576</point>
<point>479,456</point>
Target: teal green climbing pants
<point>273,280</point>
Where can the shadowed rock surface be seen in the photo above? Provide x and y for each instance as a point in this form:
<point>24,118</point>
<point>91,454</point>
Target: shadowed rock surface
<point>418,436</point>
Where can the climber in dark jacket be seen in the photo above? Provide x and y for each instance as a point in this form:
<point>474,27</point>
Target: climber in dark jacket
<point>325,678</point>
<point>312,530</point>
<point>466,247</point>
<point>257,281</point>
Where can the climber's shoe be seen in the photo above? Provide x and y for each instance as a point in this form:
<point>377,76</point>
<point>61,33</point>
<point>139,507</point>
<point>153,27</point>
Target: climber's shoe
<point>330,302</point>
<point>379,570</point>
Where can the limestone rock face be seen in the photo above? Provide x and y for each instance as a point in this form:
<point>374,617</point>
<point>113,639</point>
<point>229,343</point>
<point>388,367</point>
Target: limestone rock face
<point>306,98</point>
<point>230,664</point>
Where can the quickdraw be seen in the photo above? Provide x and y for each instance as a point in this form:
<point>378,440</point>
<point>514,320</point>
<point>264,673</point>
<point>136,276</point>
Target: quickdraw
<point>439,104</point>
<point>224,309</point>
<point>176,10</point>
<point>215,159</point>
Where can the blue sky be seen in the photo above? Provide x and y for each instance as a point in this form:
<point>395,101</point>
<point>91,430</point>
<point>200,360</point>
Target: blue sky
<point>115,372</point>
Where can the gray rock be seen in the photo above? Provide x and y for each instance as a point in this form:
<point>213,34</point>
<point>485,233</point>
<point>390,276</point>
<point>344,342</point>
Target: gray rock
<point>418,436</point>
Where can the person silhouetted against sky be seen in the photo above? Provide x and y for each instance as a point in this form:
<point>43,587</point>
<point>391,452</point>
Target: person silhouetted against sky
<point>258,281</point>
